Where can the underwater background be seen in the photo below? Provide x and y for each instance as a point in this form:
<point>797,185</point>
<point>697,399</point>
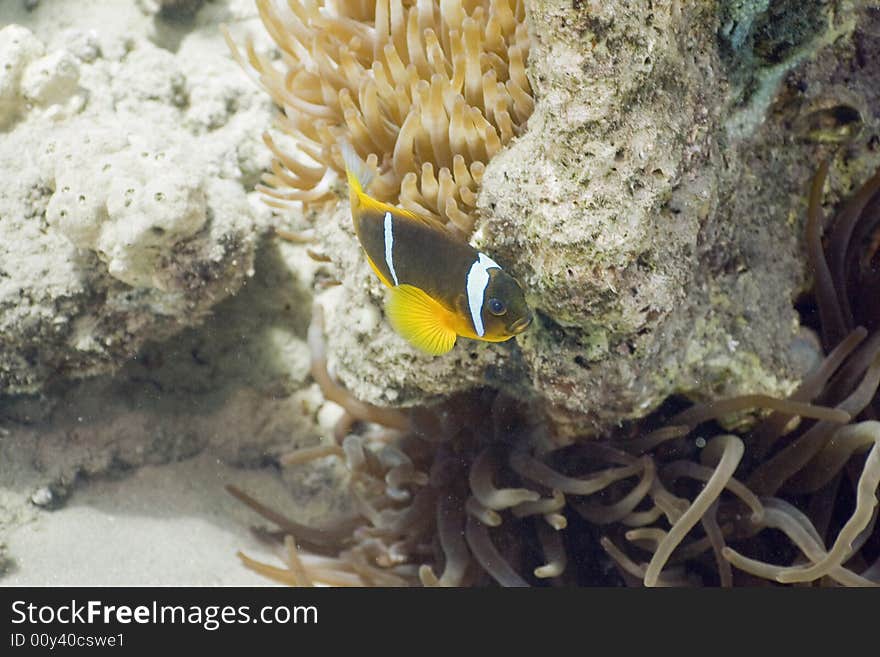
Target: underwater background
<point>191,336</point>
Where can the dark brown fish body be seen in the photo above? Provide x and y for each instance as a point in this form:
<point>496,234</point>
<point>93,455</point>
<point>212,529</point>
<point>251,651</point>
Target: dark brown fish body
<point>417,252</point>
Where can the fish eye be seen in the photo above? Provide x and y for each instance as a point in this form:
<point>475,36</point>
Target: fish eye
<point>497,307</point>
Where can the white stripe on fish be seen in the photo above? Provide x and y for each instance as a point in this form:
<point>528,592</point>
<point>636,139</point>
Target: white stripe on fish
<point>477,281</point>
<point>389,246</point>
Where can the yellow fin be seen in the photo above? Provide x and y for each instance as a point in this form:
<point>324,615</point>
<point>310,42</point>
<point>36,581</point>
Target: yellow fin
<point>420,319</point>
<point>359,178</point>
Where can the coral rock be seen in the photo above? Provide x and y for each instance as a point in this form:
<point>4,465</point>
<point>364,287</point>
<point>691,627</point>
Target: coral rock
<point>128,216</point>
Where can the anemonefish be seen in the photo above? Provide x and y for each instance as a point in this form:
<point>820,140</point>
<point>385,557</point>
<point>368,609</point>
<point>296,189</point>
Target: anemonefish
<point>440,286</point>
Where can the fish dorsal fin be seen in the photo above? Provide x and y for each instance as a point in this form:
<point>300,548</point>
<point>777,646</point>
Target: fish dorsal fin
<point>425,220</point>
<point>368,203</point>
<point>358,174</point>
<point>359,178</point>
<point>420,319</point>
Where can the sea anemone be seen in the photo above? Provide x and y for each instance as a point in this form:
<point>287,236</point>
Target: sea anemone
<point>847,271</point>
<point>426,92</point>
<point>474,492</point>
<point>478,490</point>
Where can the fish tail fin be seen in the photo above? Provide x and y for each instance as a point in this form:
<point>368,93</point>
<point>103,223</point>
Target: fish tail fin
<point>358,174</point>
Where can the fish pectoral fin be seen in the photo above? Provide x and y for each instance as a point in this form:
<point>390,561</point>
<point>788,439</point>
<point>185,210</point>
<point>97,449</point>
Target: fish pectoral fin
<point>420,319</point>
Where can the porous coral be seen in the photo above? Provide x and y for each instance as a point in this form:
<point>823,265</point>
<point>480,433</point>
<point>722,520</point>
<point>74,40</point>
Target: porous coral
<point>127,217</point>
<point>425,91</point>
